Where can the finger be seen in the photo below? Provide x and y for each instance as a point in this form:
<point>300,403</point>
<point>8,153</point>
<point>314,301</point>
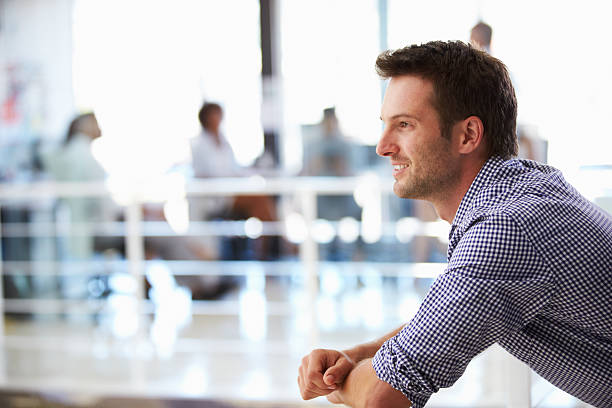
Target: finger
<point>309,390</point>
<point>304,392</point>
<point>317,365</point>
<point>301,386</point>
<point>338,372</point>
<point>316,361</point>
<point>302,382</point>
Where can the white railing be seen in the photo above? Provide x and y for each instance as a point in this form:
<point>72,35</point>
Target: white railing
<point>304,189</point>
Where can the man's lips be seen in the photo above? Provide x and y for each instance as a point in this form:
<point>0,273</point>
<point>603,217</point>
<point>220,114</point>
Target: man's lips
<point>398,168</point>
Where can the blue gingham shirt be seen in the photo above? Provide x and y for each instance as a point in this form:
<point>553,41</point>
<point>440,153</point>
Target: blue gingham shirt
<point>529,268</point>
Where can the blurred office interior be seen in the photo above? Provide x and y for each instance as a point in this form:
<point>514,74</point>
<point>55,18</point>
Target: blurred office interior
<point>121,287</point>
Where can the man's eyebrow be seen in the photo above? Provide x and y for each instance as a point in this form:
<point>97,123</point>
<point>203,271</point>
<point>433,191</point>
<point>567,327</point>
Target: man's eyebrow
<point>401,115</point>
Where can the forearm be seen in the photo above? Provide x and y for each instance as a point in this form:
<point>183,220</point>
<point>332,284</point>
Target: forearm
<point>367,350</point>
<point>362,388</point>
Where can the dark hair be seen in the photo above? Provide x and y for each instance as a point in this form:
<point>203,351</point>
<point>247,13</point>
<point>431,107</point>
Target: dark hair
<point>465,82</point>
<point>206,109</point>
<point>75,125</point>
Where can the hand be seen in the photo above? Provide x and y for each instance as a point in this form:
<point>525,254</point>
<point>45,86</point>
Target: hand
<point>322,372</point>
<point>335,397</point>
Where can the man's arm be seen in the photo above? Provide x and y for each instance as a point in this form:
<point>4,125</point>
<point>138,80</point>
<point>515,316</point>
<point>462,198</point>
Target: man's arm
<point>367,350</point>
<point>362,389</point>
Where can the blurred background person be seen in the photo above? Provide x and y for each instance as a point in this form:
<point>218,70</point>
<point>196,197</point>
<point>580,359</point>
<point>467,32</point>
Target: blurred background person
<point>329,153</point>
<point>212,156</point>
<point>75,162</point>
<point>480,36</point>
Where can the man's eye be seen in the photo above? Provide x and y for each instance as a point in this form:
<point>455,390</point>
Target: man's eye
<point>404,124</point>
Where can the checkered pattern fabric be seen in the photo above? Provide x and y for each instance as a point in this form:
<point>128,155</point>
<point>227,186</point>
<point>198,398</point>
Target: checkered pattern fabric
<point>529,268</point>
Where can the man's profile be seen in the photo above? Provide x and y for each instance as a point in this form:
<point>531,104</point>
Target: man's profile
<point>529,258</point>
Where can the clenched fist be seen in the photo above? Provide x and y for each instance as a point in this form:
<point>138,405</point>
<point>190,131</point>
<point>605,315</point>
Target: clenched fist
<point>322,372</point>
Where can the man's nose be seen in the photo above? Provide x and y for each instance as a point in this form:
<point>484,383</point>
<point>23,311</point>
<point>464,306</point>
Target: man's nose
<point>386,146</point>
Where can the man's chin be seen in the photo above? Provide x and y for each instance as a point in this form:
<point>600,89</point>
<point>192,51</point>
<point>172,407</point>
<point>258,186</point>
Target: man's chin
<point>401,191</point>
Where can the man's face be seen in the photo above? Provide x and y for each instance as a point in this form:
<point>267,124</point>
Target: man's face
<point>423,163</point>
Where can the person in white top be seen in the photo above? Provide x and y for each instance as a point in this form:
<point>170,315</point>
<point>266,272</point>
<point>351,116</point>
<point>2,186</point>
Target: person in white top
<point>212,156</point>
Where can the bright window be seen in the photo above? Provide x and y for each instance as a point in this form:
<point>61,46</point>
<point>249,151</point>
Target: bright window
<point>145,68</point>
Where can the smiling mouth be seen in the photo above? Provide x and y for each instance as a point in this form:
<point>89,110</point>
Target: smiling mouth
<point>399,169</point>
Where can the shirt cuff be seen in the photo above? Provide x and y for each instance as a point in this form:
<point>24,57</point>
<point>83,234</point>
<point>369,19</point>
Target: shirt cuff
<point>394,367</point>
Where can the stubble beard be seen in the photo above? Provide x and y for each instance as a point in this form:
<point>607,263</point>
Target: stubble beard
<point>415,186</point>
<point>429,181</point>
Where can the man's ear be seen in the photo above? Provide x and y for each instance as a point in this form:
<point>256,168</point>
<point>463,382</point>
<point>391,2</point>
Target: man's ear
<point>471,135</point>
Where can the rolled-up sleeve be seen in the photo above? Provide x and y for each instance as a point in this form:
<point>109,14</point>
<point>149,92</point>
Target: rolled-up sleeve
<point>494,285</point>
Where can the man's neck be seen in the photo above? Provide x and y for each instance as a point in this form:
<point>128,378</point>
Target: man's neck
<point>448,203</point>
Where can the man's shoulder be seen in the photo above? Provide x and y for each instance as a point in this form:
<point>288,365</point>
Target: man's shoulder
<point>522,186</point>
<point>523,193</point>
<point>536,200</point>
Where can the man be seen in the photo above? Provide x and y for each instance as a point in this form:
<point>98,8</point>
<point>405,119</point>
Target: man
<point>529,258</point>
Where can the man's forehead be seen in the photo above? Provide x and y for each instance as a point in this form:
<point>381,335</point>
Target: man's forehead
<point>406,95</point>
<point>410,84</point>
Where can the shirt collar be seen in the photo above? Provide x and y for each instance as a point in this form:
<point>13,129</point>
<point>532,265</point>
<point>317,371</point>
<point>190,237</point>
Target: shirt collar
<point>482,179</point>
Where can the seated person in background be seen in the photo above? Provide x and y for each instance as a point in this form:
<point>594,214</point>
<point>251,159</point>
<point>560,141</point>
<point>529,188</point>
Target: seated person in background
<point>328,153</point>
<point>212,156</point>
